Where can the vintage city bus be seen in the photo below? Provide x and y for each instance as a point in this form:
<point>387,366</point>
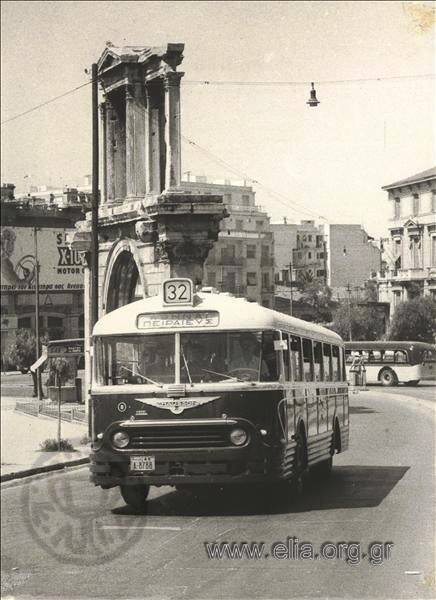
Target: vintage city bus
<point>205,389</point>
<point>391,363</point>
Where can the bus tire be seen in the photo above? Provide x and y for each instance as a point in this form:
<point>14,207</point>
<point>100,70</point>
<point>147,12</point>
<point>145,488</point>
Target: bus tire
<point>135,495</point>
<point>388,377</point>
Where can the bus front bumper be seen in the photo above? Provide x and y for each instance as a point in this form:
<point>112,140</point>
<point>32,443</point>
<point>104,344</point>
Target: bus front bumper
<point>253,463</point>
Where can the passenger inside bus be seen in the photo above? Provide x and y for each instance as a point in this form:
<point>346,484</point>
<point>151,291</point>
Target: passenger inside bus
<point>249,359</point>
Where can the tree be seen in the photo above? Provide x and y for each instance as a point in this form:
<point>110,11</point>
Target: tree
<point>319,297</point>
<point>366,323</point>
<point>60,369</point>
<point>414,320</point>
<point>22,354</point>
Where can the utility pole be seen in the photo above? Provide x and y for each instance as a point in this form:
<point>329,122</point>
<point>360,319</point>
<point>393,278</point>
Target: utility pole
<point>349,311</point>
<point>38,345</point>
<point>290,283</point>
<point>94,214</point>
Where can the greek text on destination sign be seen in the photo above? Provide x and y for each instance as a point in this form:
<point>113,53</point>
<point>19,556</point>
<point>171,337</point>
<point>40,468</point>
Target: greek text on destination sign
<point>178,319</point>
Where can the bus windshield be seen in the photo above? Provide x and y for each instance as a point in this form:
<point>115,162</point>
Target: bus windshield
<point>204,357</point>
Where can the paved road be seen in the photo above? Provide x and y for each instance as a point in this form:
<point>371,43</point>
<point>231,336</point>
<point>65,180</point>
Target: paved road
<point>64,538</point>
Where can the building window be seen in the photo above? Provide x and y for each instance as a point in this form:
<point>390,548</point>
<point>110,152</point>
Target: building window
<point>251,279</point>
<point>397,298</point>
<point>433,251</point>
<point>251,251</point>
<point>245,199</point>
<point>228,253</point>
<point>24,323</point>
<point>433,201</point>
<point>285,276</point>
<point>415,204</point>
<point>309,255</point>
<point>239,224</point>
<point>211,278</point>
<point>415,252</point>
<point>320,273</point>
<point>397,208</point>
<point>309,238</point>
<point>265,280</point>
<point>259,225</point>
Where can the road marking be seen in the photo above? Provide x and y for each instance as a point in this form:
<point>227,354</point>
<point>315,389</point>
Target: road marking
<point>412,572</point>
<point>140,527</point>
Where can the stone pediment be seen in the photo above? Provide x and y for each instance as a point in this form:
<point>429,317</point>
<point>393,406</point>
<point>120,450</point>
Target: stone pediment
<point>112,56</point>
<point>411,224</point>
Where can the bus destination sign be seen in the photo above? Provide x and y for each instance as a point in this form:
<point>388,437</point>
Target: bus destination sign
<point>174,320</point>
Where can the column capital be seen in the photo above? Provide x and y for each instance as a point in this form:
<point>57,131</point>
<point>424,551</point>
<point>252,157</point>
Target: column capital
<point>172,79</point>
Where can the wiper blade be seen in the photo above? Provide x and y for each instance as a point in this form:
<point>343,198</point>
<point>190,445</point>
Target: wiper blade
<point>224,375</point>
<point>143,376</point>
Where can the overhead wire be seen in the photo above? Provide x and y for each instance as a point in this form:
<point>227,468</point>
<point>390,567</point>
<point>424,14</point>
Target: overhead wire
<point>281,198</point>
<point>238,83</point>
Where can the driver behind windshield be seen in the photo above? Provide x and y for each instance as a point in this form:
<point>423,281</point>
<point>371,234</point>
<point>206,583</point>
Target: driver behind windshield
<point>248,359</point>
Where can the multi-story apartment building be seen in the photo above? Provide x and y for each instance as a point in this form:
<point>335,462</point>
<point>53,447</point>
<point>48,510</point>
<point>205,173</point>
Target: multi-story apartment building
<point>241,261</point>
<point>409,253</point>
<point>299,251</point>
<point>60,270</point>
<point>352,259</point>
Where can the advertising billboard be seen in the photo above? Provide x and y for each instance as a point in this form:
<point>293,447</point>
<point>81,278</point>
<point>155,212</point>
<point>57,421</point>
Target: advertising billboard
<point>60,268</point>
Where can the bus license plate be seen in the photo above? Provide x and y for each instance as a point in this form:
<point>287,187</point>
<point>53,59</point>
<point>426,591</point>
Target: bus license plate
<point>142,463</point>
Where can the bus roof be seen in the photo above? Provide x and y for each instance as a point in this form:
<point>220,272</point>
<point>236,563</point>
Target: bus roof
<point>397,345</point>
<point>234,314</point>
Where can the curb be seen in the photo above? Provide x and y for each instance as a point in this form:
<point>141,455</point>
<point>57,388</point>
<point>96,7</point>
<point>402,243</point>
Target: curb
<point>44,469</point>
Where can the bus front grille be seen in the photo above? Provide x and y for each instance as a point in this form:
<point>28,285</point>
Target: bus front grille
<point>179,437</point>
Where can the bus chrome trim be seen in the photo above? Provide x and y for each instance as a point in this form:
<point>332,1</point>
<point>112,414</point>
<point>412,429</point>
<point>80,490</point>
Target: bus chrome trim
<point>177,422</point>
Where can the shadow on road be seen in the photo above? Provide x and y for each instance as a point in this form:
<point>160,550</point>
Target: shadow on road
<point>361,410</point>
<point>348,487</point>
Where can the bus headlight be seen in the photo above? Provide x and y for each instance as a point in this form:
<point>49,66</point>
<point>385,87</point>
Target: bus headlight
<point>238,436</point>
<point>120,439</point>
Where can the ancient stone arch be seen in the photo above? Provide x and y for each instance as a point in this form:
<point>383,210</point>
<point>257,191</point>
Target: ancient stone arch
<point>123,276</point>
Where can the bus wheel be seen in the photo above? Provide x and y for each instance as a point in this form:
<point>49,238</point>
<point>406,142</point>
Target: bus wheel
<point>135,495</point>
<point>388,377</point>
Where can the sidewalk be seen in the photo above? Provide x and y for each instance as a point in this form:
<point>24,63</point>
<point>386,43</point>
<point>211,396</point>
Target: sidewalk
<point>21,436</point>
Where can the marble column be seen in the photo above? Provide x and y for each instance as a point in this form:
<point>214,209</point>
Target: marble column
<point>110,152</point>
<point>152,140</point>
<point>135,142</point>
<point>173,167</point>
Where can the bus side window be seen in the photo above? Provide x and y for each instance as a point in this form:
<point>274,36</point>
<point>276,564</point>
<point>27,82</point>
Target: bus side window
<point>335,363</point>
<point>388,356</point>
<point>342,371</point>
<point>327,360</point>
<point>317,360</point>
<point>286,365</point>
<point>400,356</point>
<point>348,356</point>
<point>307,360</point>
<point>296,358</point>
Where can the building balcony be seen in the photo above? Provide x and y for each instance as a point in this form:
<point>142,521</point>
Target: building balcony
<point>408,274</point>
<point>267,261</point>
<point>237,290</point>
<point>231,261</point>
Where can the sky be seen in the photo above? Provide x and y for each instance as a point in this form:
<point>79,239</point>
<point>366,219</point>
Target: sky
<point>330,161</point>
